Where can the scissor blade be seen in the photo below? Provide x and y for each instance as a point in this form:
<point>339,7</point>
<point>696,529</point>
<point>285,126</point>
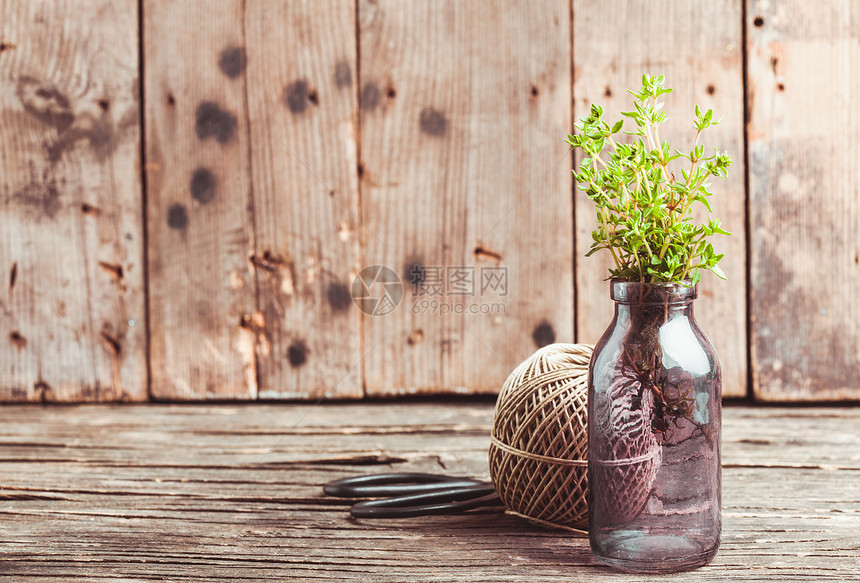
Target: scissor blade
<point>447,501</point>
<point>395,484</point>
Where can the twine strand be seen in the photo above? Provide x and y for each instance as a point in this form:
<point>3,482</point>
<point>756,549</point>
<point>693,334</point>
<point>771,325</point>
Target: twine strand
<point>534,456</point>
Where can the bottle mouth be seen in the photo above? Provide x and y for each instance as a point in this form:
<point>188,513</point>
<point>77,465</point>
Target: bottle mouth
<point>658,293</point>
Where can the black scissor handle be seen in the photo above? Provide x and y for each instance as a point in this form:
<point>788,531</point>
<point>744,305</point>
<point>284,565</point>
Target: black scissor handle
<point>397,484</point>
<point>446,501</point>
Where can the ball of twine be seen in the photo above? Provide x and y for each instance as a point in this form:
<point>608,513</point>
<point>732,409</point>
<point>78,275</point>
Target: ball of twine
<point>539,446</point>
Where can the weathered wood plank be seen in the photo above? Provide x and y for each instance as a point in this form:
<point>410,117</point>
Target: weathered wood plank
<point>302,103</point>
<point>464,107</point>
<point>202,294</point>
<point>804,65</point>
<point>72,320</point>
<point>126,487</point>
<point>697,46</point>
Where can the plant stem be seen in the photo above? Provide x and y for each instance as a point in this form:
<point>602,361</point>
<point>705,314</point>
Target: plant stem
<point>609,240</point>
<point>660,150</point>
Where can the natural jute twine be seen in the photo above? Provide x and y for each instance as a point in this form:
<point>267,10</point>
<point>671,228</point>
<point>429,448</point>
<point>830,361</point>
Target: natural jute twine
<point>539,446</point>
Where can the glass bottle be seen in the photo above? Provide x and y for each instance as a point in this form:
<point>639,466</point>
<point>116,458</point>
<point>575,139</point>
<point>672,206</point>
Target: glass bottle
<point>654,418</point>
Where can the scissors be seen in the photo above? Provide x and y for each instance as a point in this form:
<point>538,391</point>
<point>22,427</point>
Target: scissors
<point>413,494</point>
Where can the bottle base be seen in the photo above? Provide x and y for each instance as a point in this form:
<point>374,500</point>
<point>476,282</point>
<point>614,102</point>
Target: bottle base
<point>655,554</point>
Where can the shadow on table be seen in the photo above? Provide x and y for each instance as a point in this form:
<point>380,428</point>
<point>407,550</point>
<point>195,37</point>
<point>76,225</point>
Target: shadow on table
<point>492,542</point>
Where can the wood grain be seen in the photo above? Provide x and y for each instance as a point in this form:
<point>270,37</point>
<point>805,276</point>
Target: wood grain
<point>220,493</point>
<point>302,104</point>
<point>72,319</point>
<point>804,65</point>
<point>202,292</point>
<point>464,107</point>
<point>697,46</point>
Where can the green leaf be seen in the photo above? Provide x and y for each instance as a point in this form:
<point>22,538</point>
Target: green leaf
<point>617,127</point>
<point>718,272</point>
<point>704,201</point>
<point>697,276</point>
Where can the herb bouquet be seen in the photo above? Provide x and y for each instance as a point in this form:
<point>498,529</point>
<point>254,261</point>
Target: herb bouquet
<point>645,210</point>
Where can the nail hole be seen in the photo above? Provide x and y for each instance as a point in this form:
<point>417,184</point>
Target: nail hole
<point>170,99</point>
<point>608,91</point>
<point>391,93</point>
<point>313,97</point>
<point>711,89</point>
<point>781,87</point>
<point>104,104</point>
<point>17,340</point>
<point>111,343</point>
<point>543,334</point>
<point>535,91</point>
<point>297,353</point>
<point>113,269</point>
<point>89,209</point>
<point>481,251</point>
<point>758,21</point>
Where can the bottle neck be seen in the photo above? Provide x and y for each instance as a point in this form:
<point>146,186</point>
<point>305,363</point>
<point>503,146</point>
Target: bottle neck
<point>661,301</point>
<point>664,312</point>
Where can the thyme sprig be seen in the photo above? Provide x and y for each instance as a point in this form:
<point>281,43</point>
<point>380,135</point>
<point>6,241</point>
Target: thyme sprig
<point>644,209</point>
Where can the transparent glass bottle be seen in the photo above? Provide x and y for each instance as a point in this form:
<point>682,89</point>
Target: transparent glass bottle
<point>654,418</point>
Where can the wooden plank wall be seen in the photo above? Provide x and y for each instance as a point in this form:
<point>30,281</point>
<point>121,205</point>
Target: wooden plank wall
<point>804,81</point>
<point>72,314</point>
<point>256,156</point>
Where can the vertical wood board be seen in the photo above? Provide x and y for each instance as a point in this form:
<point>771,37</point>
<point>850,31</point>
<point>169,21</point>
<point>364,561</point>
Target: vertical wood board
<point>302,106</point>
<point>202,294</point>
<point>804,66</point>
<point>697,46</point>
<point>466,190</point>
<point>72,319</point>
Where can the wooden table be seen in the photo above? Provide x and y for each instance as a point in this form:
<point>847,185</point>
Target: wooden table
<point>232,492</point>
